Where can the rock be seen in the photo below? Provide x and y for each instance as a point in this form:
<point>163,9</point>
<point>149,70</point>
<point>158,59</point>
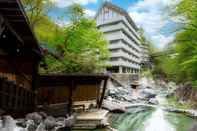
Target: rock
<point>194,127</point>
<point>50,122</point>
<point>153,101</point>
<point>104,122</point>
<point>113,106</point>
<point>21,123</point>
<point>41,127</point>
<point>30,125</point>
<point>8,124</point>
<point>118,110</point>
<point>70,121</point>
<point>43,114</point>
<point>36,117</point>
<point>147,93</point>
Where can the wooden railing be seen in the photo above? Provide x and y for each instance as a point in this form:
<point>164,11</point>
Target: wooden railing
<point>14,98</point>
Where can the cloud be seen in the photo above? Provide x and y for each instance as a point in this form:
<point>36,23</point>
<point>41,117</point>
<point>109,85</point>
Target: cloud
<point>152,16</point>
<point>65,3</point>
<point>90,13</point>
<point>62,22</point>
<point>162,40</point>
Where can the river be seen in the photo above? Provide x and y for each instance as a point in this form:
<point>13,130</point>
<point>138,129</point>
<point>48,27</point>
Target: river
<point>151,119</point>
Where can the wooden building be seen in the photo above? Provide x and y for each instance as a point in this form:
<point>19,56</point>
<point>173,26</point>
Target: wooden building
<point>72,88</point>
<point>20,55</point>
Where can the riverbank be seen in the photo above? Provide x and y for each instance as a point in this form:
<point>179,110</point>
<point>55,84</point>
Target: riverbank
<point>142,115</point>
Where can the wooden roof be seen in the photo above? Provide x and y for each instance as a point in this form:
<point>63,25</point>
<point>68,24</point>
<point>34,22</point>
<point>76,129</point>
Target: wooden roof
<point>16,18</point>
<point>68,79</point>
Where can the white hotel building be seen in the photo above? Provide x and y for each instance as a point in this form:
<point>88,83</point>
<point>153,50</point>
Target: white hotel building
<point>120,30</point>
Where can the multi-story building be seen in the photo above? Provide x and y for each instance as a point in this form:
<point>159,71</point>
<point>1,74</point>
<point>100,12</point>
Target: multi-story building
<point>145,56</point>
<point>120,30</point>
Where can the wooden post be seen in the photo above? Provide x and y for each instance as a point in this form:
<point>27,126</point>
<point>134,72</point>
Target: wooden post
<point>70,101</point>
<point>2,27</point>
<point>103,93</point>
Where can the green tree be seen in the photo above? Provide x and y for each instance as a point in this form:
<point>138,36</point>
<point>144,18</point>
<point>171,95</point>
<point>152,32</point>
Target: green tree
<point>46,30</point>
<point>183,66</point>
<point>84,49</point>
<point>186,40</point>
<point>37,10</point>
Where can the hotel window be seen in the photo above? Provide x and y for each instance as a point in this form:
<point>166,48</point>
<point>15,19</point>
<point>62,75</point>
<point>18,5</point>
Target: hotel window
<point>106,13</point>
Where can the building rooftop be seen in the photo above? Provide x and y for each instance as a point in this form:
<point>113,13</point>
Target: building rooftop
<point>119,10</point>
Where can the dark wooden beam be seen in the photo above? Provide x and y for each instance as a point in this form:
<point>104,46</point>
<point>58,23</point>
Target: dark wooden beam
<point>13,31</point>
<point>103,93</point>
<point>2,26</point>
<point>9,9</point>
<point>8,1</point>
<point>70,100</point>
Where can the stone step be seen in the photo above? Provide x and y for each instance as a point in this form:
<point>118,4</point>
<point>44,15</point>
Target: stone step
<point>85,126</point>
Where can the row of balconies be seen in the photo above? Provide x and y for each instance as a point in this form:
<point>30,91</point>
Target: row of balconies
<point>119,26</point>
<point>123,63</point>
<point>121,45</point>
<point>125,55</point>
<point>119,35</point>
<point>121,18</point>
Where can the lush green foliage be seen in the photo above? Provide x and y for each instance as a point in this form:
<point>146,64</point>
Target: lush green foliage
<point>79,47</point>
<point>187,40</point>
<point>84,49</point>
<point>37,10</point>
<point>182,66</point>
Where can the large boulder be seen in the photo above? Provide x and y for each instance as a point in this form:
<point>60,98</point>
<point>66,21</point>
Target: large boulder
<point>194,127</point>
<point>153,101</point>
<point>36,117</point>
<point>30,125</point>
<point>147,93</point>
<point>70,121</point>
<point>50,122</point>
<point>113,106</point>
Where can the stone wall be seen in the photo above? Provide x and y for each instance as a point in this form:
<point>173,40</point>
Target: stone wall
<point>126,79</point>
<point>186,93</point>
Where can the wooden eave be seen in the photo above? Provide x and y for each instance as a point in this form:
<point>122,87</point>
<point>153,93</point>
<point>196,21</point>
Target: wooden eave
<point>68,79</point>
<point>16,20</point>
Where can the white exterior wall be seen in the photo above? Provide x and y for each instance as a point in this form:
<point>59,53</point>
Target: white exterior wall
<point>124,40</point>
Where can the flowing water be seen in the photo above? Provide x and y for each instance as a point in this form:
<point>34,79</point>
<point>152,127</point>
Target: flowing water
<point>144,118</point>
<point>151,119</point>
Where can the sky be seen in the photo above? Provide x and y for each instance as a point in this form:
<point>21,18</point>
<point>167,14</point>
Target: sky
<point>151,15</point>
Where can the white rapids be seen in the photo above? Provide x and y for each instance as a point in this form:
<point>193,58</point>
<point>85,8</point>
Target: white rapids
<point>157,122</point>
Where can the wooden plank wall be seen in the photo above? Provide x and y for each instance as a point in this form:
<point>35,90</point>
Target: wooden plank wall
<point>59,94</point>
<point>14,98</point>
<point>9,71</point>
